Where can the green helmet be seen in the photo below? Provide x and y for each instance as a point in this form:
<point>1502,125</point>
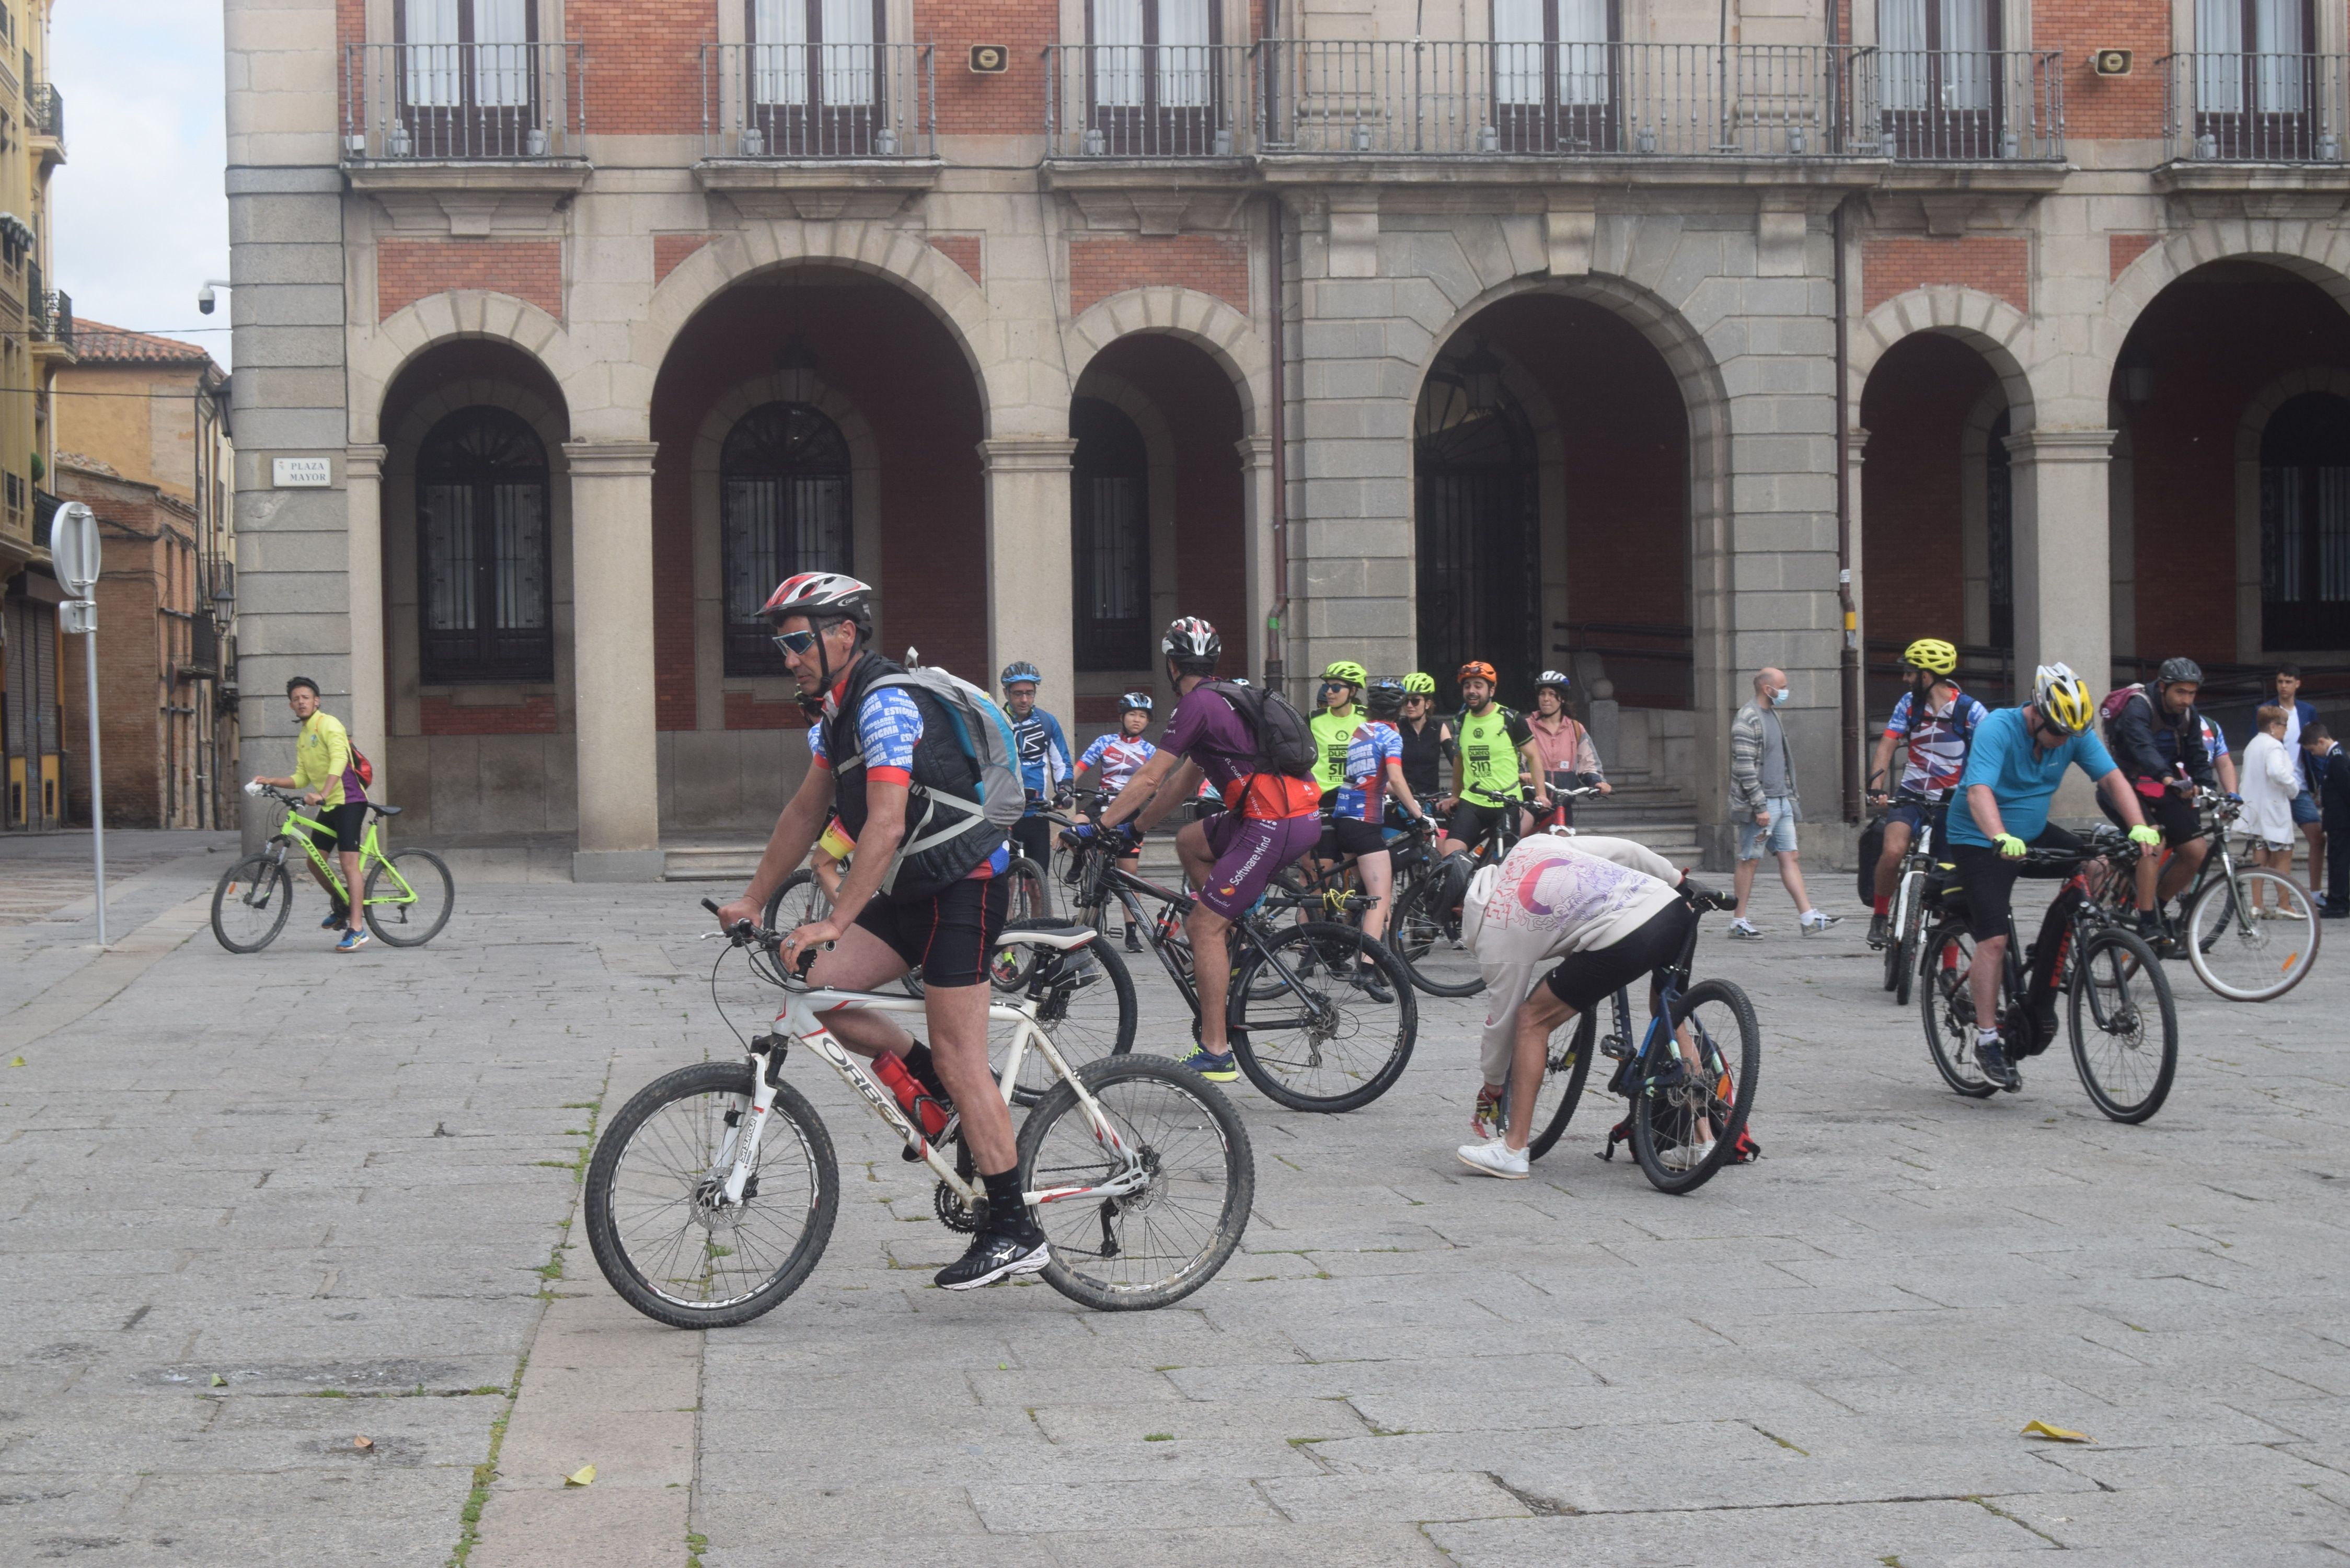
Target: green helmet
<point>1419,683</point>
<point>1347,672</point>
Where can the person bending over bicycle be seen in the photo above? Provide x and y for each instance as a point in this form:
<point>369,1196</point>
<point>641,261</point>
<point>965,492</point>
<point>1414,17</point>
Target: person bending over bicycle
<point>1492,772</point>
<point>1043,760</point>
<point>2018,758</point>
<point>1269,819</point>
<point>1114,759</point>
<point>327,773</point>
<point>920,891</point>
<point>1935,721</point>
<point>1374,766</point>
<point>2157,737</point>
<point>1605,912</point>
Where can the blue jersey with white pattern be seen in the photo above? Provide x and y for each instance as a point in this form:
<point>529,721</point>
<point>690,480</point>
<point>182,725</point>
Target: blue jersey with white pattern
<point>889,727</point>
<point>1043,752</point>
<point>1362,797</point>
<point>1117,759</point>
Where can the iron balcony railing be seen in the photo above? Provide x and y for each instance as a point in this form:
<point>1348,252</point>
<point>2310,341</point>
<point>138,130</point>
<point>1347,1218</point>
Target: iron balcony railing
<point>1958,106</point>
<point>2251,108</point>
<point>45,112</point>
<point>802,101</point>
<point>1158,100</point>
<point>461,102</point>
<point>53,317</point>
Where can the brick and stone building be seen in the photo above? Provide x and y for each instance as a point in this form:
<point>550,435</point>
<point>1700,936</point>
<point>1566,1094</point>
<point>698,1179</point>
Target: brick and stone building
<point>1669,340</point>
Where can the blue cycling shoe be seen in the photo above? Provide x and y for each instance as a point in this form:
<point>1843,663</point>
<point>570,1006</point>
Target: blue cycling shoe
<point>1209,1065</point>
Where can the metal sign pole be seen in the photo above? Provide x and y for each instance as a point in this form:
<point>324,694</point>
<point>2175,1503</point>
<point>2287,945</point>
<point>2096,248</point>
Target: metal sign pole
<point>74,555</point>
<point>97,778</point>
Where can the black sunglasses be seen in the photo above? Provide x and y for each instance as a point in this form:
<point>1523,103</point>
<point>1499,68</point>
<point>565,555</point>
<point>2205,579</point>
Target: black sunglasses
<point>798,642</point>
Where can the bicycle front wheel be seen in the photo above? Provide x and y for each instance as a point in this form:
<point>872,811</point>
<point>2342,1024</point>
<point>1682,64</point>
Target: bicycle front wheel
<point>1949,1008</point>
<point>1565,1067</point>
<point>657,1218</point>
<point>1084,1001</point>
<point>1685,1122</point>
<point>2124,1029</point>
<point>1908,946</point>
<point>1156,1244</point>
<point>2254,937</point>
<point>408,897</point>
<point>250,903</point>
<point>1308,1033</point>
<point>1426,936</point>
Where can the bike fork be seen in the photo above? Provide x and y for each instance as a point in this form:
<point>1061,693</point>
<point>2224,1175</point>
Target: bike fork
<point>738,1157</point>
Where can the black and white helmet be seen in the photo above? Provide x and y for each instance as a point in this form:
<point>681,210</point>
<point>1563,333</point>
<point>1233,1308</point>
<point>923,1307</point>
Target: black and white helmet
<point>1192,645</point>
<point>1134,702</point>
<point>821,597</point>
<point>1558,678</point>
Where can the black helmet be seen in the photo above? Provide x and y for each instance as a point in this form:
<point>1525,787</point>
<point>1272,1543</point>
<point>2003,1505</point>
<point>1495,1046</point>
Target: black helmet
<point>1193,646</point>
<point>1384,697</point>
<point>2180,671</point>
<point>1134,702</point>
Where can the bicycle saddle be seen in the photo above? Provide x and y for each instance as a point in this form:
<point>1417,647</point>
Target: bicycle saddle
<point>1058,934</point>
<point>382,810</point>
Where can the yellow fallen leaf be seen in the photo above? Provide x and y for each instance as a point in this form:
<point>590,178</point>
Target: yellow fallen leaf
<point>2042,1430</point>
<point>17,1063</point>
<point>363,1442</point>
<point>218,1381</point>
<point>584,1476</point>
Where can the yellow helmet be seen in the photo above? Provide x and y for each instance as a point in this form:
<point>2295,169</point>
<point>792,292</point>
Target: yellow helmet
<point>1932,653</point>
<point>2063,698</point>
<point>1346,671</point>
<point>1419,683</point>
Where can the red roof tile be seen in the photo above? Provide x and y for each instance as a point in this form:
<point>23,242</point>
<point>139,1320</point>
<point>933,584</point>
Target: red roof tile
<point>96,343</point>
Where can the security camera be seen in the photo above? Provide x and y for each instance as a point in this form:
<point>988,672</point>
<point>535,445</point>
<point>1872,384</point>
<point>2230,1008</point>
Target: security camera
<point>205,301</point>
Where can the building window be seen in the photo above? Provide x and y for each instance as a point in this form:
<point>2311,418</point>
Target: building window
<point>467,84</point>
<point>1938,68</point>
<point>818,85</point>
<point>1480,583</point>
<point>2252,77</point>
<point>481,551</point>
<point>2305,525</point>
<point>1110,517</point>
<point>1152,80</point>
<point>1553,75</point>
<point>783,485</point>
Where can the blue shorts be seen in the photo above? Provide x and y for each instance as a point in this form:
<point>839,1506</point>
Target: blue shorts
<point>1779,838</point>
<point>1913,813</point>
<point>2305,808</point>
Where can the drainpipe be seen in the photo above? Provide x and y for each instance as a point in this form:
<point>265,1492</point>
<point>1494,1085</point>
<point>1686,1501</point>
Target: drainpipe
<point>1848,658</point>
<point>1277,622</point>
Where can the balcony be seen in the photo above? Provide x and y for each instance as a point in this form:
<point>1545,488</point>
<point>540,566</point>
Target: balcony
<point>2255,108</point>
<point>50,322</point>
<point>45,123</point>
<point>1170,101</point>
<point>818,131</point>
<point>464,103</point>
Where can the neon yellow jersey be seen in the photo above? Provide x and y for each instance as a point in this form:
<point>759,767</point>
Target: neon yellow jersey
<point>322,760</point>
<point>1489,754</point>
<point>1332,735</point>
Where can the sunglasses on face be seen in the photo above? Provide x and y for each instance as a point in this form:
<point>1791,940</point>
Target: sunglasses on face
<point>795,642</point>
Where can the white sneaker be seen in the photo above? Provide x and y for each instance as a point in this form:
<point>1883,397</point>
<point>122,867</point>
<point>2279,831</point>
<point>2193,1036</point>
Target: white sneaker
<point>1687,1155</point>
<point>1494,1158</point>
<point>2284,912</point>
<point>1742,926</point>
<point>1814,922</point>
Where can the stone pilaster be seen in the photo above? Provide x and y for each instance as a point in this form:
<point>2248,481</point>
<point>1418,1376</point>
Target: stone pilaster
<point>612,659</point>
<point>1030,578</point>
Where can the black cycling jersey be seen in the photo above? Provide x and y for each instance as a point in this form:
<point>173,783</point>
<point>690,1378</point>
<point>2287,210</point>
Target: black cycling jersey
<point>1422,751</point>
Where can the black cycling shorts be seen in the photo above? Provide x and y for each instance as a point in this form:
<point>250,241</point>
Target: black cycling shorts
<point>1352,835</point>
<point>344,827</point>
<point>1915,814</point>
<point>1585,980</point>
<point>1988,879</point>
<point>2171,811</point>
<point>1469,822</point>
<point>949,937</point>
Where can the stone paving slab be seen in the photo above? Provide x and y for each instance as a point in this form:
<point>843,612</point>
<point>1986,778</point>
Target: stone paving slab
<point>345,1187</point>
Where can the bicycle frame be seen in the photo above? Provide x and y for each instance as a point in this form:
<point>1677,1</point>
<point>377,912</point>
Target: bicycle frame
<point>1125,885</point>
<point>297,829</point>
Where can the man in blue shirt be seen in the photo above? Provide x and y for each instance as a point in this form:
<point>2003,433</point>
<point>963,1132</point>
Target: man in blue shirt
<point>2016,761</point>
<point>1043,760</point>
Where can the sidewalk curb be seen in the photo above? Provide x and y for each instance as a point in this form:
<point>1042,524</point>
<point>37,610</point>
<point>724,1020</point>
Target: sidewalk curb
<point>106,976</point>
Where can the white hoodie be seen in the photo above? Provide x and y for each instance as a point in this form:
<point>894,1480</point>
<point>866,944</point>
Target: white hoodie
<point>2269,781</point>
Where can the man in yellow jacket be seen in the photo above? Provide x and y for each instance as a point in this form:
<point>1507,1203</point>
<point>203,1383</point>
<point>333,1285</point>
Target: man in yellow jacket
<point>324,771</point>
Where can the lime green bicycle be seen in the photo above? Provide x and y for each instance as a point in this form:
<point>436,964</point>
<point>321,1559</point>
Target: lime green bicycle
<point>407,901</point>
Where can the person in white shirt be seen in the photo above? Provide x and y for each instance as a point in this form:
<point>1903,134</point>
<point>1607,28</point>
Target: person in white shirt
<point>2272,778</point>
<point>1606,912</point>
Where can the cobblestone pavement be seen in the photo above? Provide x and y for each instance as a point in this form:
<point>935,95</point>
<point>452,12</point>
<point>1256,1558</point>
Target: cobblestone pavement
<point>253,1208</point>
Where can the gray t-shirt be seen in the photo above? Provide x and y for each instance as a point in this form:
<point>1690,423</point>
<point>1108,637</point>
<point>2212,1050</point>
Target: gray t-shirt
<point>1776,774</point>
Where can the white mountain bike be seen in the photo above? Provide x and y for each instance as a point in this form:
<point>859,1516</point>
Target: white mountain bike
<point>713,1193</point>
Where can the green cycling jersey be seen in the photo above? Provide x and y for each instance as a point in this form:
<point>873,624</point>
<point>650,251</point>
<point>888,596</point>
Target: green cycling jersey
<point>1489,767</point>
<point>1331,734</point>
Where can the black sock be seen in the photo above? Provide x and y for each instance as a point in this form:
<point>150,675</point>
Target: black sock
<point>926,1072</point>
<point>1005,1213</point>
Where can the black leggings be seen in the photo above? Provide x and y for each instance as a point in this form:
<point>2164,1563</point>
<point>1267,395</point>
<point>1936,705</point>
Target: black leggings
<point>1032,836</point>
<point>1585,980</point>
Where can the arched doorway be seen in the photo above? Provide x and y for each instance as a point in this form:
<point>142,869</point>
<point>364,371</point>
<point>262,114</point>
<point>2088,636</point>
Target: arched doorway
<point>1477,522</point>
<point>483,551</point>
<point>783,507</point>
<point>1109,513</point>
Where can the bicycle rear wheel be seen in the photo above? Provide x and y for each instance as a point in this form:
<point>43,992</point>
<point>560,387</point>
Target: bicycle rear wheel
<point>1565,1068</point>
<point>2120,1000</point>
<point>250,903</point>
<point>1426,937</point>
<point>665,1241</point>
<point>1949,1008</point>
<point>2252,938</point>
<point>1685,1122</point>
<point>798,900</point>
<point>1318,1042</point>
<point>411,917</point>
<point>1085,1001</point>
<point>1157,1245</point>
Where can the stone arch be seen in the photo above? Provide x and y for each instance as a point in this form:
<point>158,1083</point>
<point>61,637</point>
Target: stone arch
<point>2316,251</point>
<point>379,357</point>
<point>900,255</point>
<point>1226,335</point>
<point>2001,334</point>
<point>2250,636</point>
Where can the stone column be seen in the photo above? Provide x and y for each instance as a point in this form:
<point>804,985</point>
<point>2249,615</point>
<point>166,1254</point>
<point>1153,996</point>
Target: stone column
<point>368,720</point>
<point>1031,582</point>
<point>612,660</point>
<point>2063,569</point>
<point>1256,504</point>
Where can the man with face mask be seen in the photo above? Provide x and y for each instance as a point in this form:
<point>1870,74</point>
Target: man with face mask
<point>1934,721</point>
<point>1764,803</point>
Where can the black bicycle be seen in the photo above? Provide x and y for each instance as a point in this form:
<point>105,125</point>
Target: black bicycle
<point>1305,1029</point>
<point>1689,1079</point>
<point>1426,928</point>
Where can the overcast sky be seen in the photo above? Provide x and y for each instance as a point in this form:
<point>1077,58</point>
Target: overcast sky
<point>141,219</point>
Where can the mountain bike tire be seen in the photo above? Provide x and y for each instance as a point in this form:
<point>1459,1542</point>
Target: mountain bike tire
<point>243,899</point>
<point>1158,1246</point>
<point>1730,1043</point>
<point>2244,959</point>
<point>1565,1068</point>
<point>2114,979</point>
<point>646,1227</point>
<point>797,900</point>
<point>410,925</point>
<point>1074,1015</point>
<point>1424,935</point>
<point>1906,963</point>
<point>1325,1045</point>
<point>1947,1010</point>
<point>1027,902</point>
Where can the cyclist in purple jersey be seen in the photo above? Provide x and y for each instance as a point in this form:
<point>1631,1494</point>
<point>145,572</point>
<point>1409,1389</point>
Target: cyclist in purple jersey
<point>1374,766</point>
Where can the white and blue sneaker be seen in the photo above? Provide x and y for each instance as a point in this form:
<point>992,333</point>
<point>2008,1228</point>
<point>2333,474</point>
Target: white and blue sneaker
<point>354,938</point>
